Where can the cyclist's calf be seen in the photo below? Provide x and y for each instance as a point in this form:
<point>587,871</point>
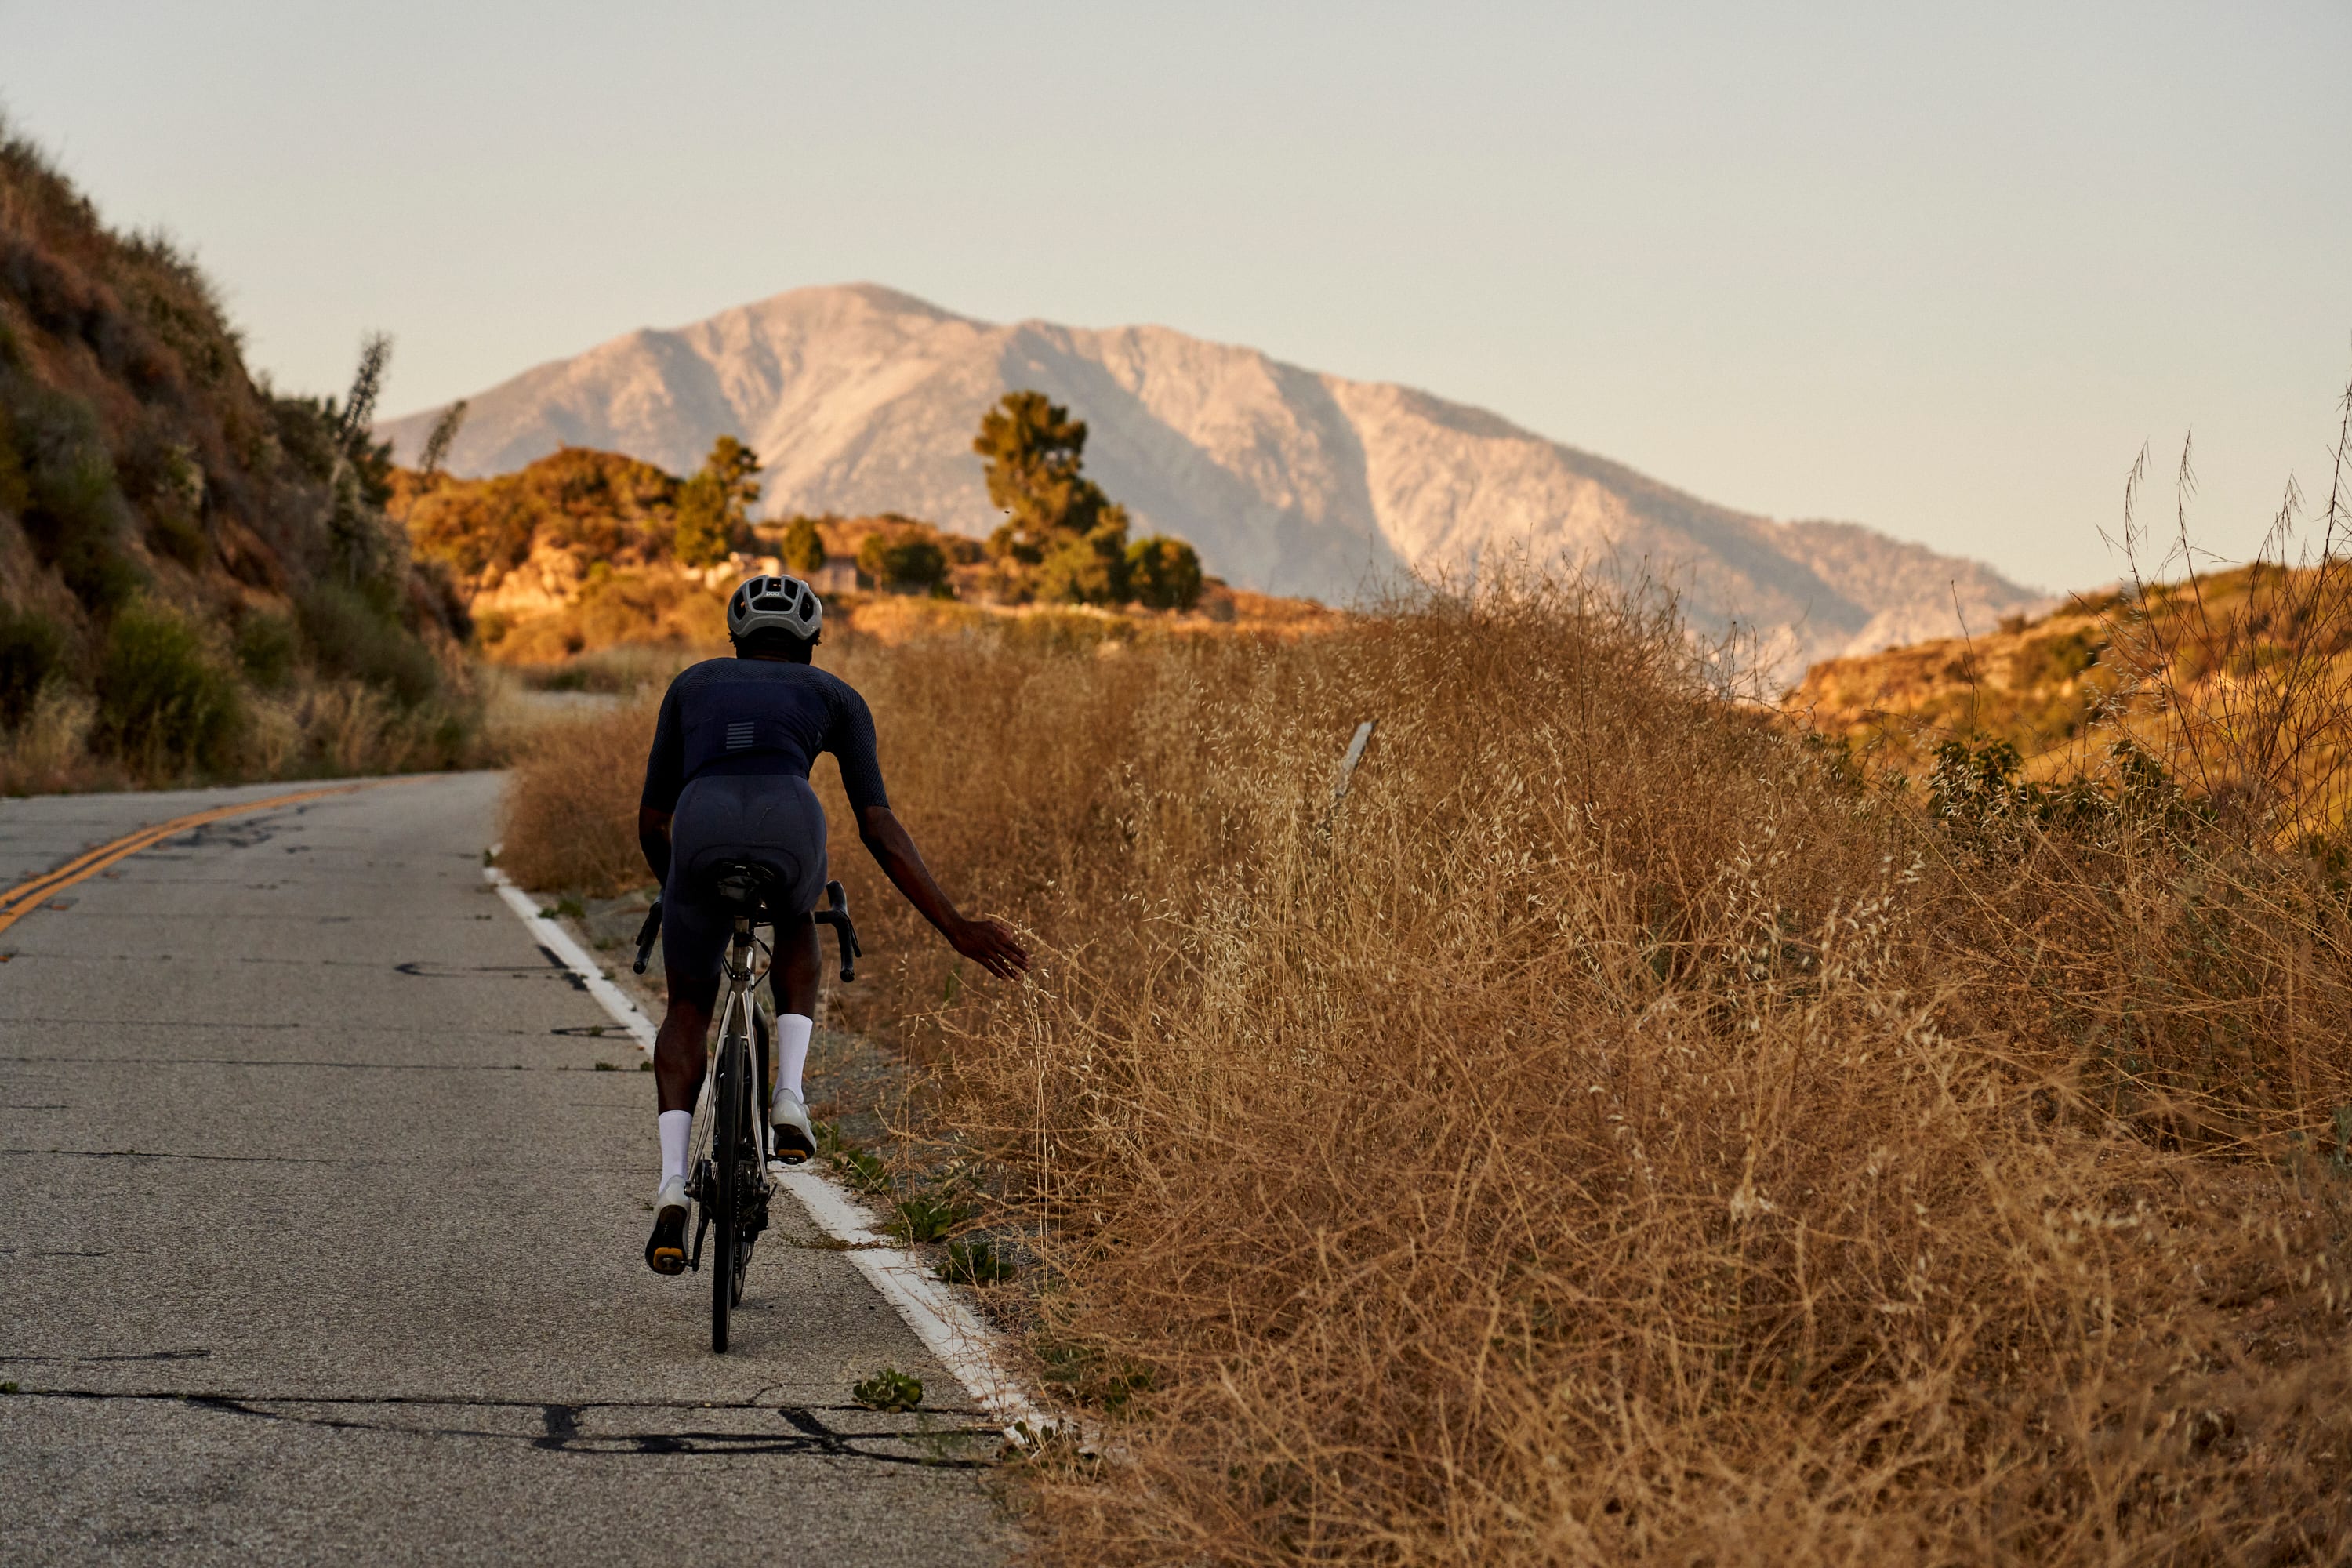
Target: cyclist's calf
<point>681,1047</point>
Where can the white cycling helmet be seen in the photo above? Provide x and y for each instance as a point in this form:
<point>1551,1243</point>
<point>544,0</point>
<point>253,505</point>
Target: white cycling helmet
<point>786,603</point>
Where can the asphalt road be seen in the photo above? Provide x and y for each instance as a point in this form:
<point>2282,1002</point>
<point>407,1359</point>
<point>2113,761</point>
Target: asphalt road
<point>322,1236</point>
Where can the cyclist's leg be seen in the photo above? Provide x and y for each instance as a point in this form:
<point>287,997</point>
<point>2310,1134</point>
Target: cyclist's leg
<point>682,1046</point>
<point>694,939</point>
<point>792,981</point>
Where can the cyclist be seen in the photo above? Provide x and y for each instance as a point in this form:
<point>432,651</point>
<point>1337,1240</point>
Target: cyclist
<point>728,780</point>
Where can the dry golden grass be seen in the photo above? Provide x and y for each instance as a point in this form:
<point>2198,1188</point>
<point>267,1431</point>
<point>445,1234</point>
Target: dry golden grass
<point>1607,1134</point>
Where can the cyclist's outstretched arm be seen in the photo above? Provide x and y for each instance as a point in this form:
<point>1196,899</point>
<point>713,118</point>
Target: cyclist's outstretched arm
<point>987,942</point>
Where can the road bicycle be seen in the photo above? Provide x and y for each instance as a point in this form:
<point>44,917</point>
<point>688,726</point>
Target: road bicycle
<point>729,1181</point>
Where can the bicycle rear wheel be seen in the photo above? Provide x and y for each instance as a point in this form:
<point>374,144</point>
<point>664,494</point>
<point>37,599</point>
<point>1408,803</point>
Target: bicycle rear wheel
<point>727,1199</point>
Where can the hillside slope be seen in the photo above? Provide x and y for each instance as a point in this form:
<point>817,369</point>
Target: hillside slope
<point>2237,682</point>
<point>861,399</point>
<point>196,576</point>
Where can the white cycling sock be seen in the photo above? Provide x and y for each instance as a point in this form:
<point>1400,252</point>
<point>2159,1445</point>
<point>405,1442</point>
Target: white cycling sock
<point>676,1127</point>
<point>792,1050</point>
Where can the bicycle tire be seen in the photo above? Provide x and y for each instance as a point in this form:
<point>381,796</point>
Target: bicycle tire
<point>727,1148</point>
<point>748,1168</point>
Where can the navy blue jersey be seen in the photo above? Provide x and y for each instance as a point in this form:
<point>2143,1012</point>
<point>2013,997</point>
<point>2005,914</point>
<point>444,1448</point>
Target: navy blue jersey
<point>740,717</point>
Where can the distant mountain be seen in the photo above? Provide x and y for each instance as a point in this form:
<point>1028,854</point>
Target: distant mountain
<point>862,399</point>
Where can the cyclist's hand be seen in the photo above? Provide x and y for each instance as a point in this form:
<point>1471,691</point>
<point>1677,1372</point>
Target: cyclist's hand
<point>991,944</point>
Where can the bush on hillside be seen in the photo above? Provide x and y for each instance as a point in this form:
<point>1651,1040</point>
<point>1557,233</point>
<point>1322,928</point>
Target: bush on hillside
<point>350,636</point>
<point>902,558</point>
<point>267,644</point>
<point>164,703</point>
<point>1091,570</point>
<point>31,651</point>
<point>1164,573</point>
<point>72,510</point>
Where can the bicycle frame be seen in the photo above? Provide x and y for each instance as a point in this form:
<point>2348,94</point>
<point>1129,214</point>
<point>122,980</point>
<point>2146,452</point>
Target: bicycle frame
<point>730,1184</point>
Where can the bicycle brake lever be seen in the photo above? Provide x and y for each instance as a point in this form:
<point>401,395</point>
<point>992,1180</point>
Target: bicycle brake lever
<point>645,934</point>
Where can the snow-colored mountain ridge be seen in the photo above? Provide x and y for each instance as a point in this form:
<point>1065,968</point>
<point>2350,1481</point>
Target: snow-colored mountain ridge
<point>862,399</point>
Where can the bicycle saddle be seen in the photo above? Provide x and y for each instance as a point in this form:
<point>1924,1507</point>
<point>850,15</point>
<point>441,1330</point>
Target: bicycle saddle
<point>743,886</point>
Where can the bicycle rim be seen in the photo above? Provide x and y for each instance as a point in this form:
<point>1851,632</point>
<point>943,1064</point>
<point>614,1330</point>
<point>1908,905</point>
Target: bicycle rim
<point>726,1150</point>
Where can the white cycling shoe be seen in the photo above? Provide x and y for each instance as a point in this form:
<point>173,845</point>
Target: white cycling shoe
<point>795,1135</point>
<point>665,1250</point>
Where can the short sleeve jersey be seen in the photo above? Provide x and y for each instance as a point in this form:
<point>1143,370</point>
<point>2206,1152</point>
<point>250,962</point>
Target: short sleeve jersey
<point>761,716</point>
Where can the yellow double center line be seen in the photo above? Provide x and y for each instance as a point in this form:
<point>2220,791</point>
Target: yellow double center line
<point>25,897</point>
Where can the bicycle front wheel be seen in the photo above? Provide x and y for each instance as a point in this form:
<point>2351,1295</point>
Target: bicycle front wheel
<point>727,1199</point>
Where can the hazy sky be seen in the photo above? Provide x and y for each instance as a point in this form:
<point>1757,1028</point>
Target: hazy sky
<point>1938,269</point>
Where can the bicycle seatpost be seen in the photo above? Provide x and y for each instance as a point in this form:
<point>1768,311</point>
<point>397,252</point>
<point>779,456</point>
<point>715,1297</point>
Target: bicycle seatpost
<point>645,934</point>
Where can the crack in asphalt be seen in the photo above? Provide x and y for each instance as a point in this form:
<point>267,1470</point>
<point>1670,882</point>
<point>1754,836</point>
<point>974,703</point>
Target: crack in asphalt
<point>158,1154</point>
<point>560,1423</point>
<point>122,1355</point>
<point>281,1062</point>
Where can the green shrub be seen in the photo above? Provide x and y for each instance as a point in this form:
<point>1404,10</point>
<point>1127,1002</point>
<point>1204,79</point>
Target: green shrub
<point>30,651</point>
<point>1164,573</point>
<point>1087,571</point>
<point>267,646</point>
<point>2052,660</point>
<point>72,507</point>
<point>164,703</point>
<point>902,559</point>
<point>349,637</point>
<point>804,547</point>
<point>160,473</point>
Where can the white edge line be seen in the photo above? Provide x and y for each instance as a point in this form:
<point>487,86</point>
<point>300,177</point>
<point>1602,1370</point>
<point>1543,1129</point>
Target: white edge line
<point>947,1327</point>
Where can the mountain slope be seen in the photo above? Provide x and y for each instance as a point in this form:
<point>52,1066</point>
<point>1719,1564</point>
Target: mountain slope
<point>862,399</point>
<point>197,579</point>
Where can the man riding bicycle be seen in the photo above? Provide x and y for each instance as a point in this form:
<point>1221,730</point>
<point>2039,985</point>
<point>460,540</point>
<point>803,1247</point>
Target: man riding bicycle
<point>727,782</point>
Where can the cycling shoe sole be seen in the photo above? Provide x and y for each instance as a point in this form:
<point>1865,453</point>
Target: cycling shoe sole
<point>665,1254</point>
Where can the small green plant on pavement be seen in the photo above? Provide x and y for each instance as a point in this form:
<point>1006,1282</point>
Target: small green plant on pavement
<point>888,1389</point>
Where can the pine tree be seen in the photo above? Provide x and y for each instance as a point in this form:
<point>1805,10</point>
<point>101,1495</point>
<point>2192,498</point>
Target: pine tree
<point>712,505</point>
<point>803,549</point>
<point>1056,518</point>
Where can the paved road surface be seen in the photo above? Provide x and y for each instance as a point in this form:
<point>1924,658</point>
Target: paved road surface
<point>323,1236</point>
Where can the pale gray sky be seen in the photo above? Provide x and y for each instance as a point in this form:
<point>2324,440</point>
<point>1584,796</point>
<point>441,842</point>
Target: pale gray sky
<point>1938,269</point>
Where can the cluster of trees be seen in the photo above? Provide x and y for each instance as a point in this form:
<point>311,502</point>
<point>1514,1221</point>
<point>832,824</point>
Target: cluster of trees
<point>1063,540</point>
<point>600,505</point>
<point>901,554</point>
<point>1060,532</point>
